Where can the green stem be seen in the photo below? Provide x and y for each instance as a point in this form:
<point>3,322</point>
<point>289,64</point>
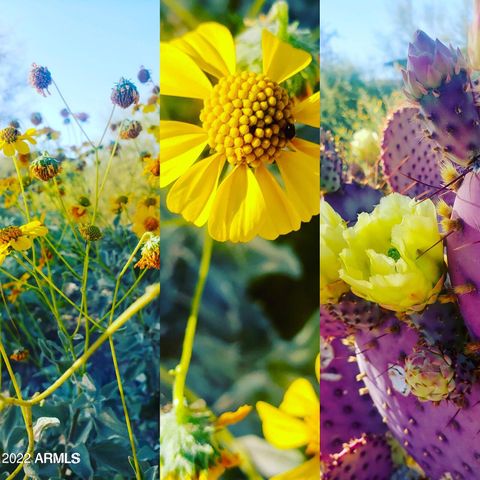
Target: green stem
<point>181,370</point>
<point>150,294</point>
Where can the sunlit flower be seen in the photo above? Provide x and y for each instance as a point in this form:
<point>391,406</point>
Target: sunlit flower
<point>12,140</point>
<point>248,122</point>
<point>40,78</point>
<point>394,255</point>
<point>20,238</point>
<point>150,254</point>
<point>118,203</point>
<point>147,217</point>
<point>295,424</point>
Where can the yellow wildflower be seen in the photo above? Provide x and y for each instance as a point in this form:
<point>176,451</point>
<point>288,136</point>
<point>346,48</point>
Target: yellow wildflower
<point>19,238</point>
<point>147,217</point>
<point>296,423</point>
<point>11,141</point>
<point>248,121</point>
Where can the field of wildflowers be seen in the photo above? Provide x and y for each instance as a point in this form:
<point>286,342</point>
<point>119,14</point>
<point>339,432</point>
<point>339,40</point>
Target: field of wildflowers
<point>79,263</point>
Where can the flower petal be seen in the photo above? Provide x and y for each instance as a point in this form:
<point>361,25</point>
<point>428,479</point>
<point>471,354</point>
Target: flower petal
<point>280,217</point>
<point>281,429</point>
<point>308,111</point>
<point>306,471</point>
<point>238,209</point>
<point>22,243</point>
<point>212,48</point>
<point>22,147</point>
<point>193,193</point>
<point>8,150</point>
<point>309,148</point>
<point>300,399</point>
<point>180,145</point>
<point>180,75</point>
<point>300,174</point>
<point>280,59</point>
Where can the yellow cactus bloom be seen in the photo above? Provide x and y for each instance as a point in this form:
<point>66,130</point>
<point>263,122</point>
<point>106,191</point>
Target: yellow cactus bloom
<point>365,146</point>
<point>296,423</point>
<point>332,243</point>
<point>248,122</point>
<point>394,255</point>
<point>19,238</point>
<point>12,140</point>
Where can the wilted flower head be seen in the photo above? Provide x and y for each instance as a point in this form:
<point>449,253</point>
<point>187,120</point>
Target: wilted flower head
<point>14,123</point>
<point>143,75</point>
<point>130,129</point>
<point>150,254</point>
<point>40,78</point>
<point>82,116</point>
<point>430,62</point>
<point>331,244</point>
<point>430,374</point>
<point>124,93</point>
<point>45,167</point>
<point>394,255</point>
<point>36,118</point>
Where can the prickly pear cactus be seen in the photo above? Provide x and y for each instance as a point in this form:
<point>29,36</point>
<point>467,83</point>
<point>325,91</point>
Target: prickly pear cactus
<point>410,159</point>
<point>331,163</point>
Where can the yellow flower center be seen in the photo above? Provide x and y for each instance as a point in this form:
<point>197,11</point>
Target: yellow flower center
<point>9,135</point>
<point>151,224</point>
<point>9,234</point>
<point>248,118</point>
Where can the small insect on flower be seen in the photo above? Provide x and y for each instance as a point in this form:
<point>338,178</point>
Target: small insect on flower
<point>45,167</point>
<point>125,93</point>
<point>130,129</point>
<point>90,233</point>
<point>150,254</point>
<point>40,78</point>
<point>143,75</point>
<point>36,118</point>
<point>12,140</point>
<point>20,355</point>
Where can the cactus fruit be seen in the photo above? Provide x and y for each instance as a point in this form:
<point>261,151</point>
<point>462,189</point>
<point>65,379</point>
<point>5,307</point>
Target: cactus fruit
<point>331,163</point>
<point>344,413</point>
<point>462,246</point>
<point>367,457</point>
<point>410,160</point>
<point>438,436</point>
<point>437,78</point>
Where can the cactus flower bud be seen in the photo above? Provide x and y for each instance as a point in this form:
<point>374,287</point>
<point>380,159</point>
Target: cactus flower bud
<point>430,374</point>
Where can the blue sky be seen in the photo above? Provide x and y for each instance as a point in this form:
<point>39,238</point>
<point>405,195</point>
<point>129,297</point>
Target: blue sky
<point>364,28</point>
<point>87,45</point>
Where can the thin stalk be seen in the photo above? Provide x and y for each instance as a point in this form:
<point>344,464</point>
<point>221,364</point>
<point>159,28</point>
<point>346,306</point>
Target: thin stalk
<point>181,370</point>
<point>150,294</point>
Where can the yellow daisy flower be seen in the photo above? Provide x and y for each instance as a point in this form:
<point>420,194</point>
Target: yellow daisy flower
<point>296,423</point>
<point>11,141</point>
<point>19,238</point>
<point>248,122</point>
<point>147,217</point>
